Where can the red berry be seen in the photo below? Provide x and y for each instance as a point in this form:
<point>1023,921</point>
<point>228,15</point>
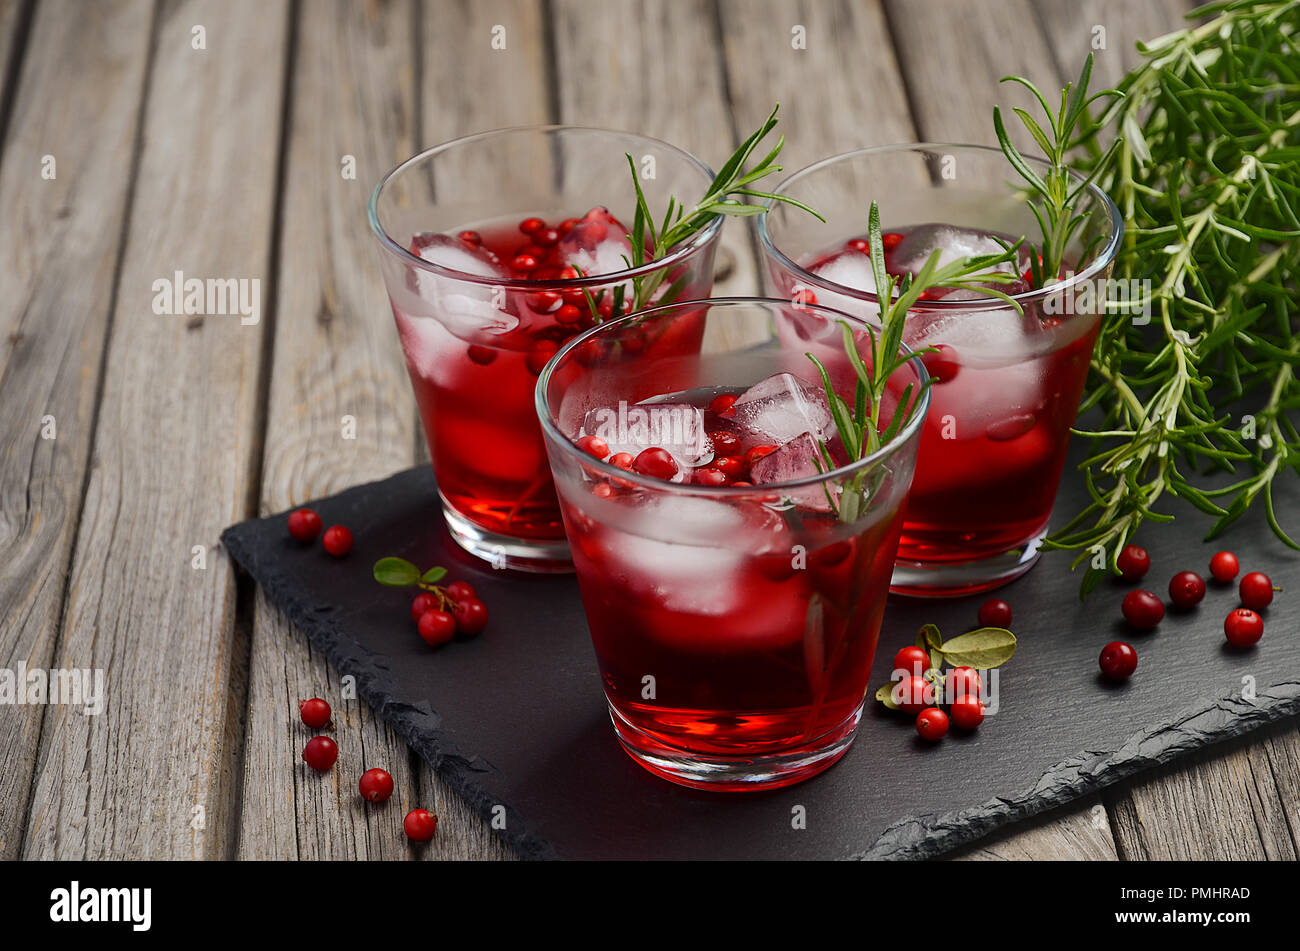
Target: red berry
<point>709,477</point>
<point>757,453</point>
<point>1118,660</point>
<point>966,712</point>
<point>481,355</point>
<point>602,490</point>
<point>722,402</point>
<point>529,225</point>
<point>471,616</point>
<point>890,240</point>
<point>544,301</point>
<point>621,460</point>
<point>858,244</point>
<point>803,296</point>
<point>546,236</point>
<point>421,604</point>
<point>995,613</point>
<point>376,785</point>
<point>1142,609</point>
<point>320,753</point>
<point>725,443</point>
<point>568,314</point>
<point>470,237</point>
<point>539,354</point>
<point>337,541</point>
<point>1223,566</point>
<point>914,660</point>
<point>314,712</point>
<point>1186,589</point>
<point>656,462</point>
<point>437,627</point>
<point>1133,562</point>
<point>1256,590</point>
<point>963,682</point>
<point>461,591</point>
<point>594,446</point>
<point>932,724</point>
<point>1243,627</point>
<point>913,694</point>
<point>941,363</point>
<point>524,262</point>
<point>304,525</point>
<point>420,825</point>
<point>731,466</point>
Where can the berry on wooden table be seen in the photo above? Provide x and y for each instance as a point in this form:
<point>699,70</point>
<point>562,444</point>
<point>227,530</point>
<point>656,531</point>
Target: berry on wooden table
<point>320,753</point>
<point>314,712</point>
<point>376,785</point>
<point>420,825</point>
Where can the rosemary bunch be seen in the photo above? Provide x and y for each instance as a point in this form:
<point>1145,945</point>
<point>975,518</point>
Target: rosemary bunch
<point>860,426</point>
<point>1205,169</point>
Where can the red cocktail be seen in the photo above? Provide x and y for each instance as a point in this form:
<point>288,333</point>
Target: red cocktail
<point>734,598</point>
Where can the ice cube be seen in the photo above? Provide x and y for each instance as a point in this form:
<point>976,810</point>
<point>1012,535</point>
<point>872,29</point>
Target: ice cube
<point>781,407</point>
<point>848,268</point>
<point>796,459</point>
<point>986,336</point>
<point>465,308</point>
<point>952,242</point>
<point>677,427</point>
<point>597,244</point>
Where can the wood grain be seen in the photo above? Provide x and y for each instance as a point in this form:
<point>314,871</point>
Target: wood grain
<point>78,101</point>
<point>174,453</point>
<point>1109,29</point>
<point>1076,835</point>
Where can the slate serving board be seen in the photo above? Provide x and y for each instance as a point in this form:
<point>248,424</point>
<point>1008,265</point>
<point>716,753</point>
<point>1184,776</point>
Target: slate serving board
<point>516,718</point>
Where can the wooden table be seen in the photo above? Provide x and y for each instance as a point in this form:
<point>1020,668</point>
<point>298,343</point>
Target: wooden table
<point>218,138</point>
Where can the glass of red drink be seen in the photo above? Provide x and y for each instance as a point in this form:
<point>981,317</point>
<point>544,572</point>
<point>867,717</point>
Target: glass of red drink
<point>1007,383</point>
<point>497,249</point>
<point>734,584</point>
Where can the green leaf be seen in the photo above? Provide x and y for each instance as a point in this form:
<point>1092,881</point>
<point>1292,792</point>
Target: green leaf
<point>396,572</point>
<point>885,695</point>
<point>983,649</point>
<point>434,575</point>
<point>928,637</point>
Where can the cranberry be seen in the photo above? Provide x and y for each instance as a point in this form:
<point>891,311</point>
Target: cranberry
<point>725,443</point>
<point>567,225</point>
<point>1256,590</point>
<point>320,753</point>
<point>461,591</point>
<point>966,712</point>
<point>1118,660</point>
<point>890,240</point>
<point>376,785</point>
<point>421,604</point>
<point>337,541</point>
<point>602,490</point>
<point>546,237</point>
<point>722,402</point>
<point>314,712</point>
<point>529,225</point>
<point>775,566</point>
<point>995,613</point>
<point>1142,609</point>
<point>913,694</point>
<point>914,660</point>
<point>524,262</point>
<point>621,460</point>
<point>1133,562</point>
<point>471,616</point>
<point>1186,589</point>
<point>803,296</point>
<point>1223,566</point>
<point>568,314</point>
<point>539,354</point>
<point>963,682</point>
<point>304,525</point>
<point>1243,627</point>
<point>594,446</point>
<point>544,301</point>
<point>656,462</point>
<point>437,627</point>
<point>932,724</point>
<point>757,453</point>
<point>941,363</point>
<point>420,825</point>
<point>731,466</point>
<point>710,477</point>
<point>481,355</point>
<point>471,237</point>
<point>858,244</point>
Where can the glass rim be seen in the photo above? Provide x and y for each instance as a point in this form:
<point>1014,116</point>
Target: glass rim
<point>701,238</point>
<point>1103,259</point>
<point>905,435</point>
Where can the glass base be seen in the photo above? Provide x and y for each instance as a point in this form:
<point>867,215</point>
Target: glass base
<point>735,774</point>
<point>920,579</point>
<point>505,551</point>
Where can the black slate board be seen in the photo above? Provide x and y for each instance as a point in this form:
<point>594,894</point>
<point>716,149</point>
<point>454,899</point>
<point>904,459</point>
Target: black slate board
<point>517,717</point>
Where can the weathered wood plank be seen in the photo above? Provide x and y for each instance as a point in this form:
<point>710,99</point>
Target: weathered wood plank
<point>13,14</point>
<point>79,102</point>
<point>174,454</point>
<point>1109,29</point>
<point>1080,834</point>
<point>336,355</point>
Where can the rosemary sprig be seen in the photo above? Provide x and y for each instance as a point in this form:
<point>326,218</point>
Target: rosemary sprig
<point>731,184</point>
<point>1205,168</point>
<point>860,426</point>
